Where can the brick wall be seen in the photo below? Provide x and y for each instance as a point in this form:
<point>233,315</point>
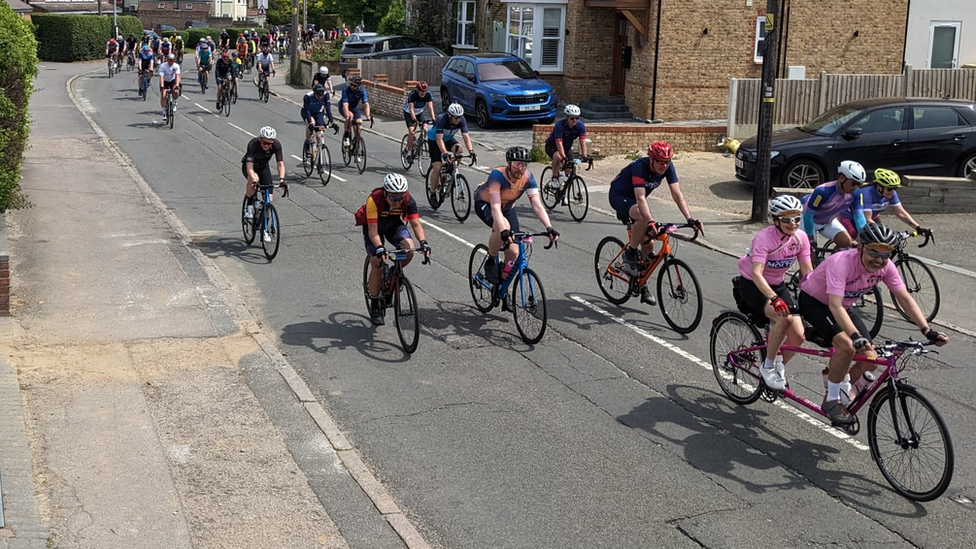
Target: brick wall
<point>4,270</point>
<point>607,139</point>
<point>385,99</point>
<point>151,16</point>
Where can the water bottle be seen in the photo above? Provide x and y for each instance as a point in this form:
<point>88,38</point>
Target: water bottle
<point>507,269</point>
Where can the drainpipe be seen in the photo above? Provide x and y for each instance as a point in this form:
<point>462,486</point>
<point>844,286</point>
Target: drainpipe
<point>784,38</point>
<point>904,46</point>
<point>657,50</point>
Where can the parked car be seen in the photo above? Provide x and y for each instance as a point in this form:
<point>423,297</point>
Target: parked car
<point>909,136</point>
<point>359,36</point>
<point>151,34</point>
<point>406,53</point>
<point>497,87</point>
<point>164,28</point>
<point>351,52</point>
<point>195,25</point>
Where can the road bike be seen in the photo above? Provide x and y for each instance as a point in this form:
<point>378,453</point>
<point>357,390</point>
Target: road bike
<point>224,97</point>
<point>317,157</point>
<point>571,190</point>
<point>419,154</point>
<point>397,292</point>
<point>144,84</point>
<point>678,293</point>
<point>264,220</point>
<point>917,276</point>
<point>264,93</point>
<point>233,91</point>
<point>453,184</point>
<point>170,109</point>
<point>202,78</point>
<point>130,61</point>
<point>112,66</point>
<point>356,149</point>
<point>520,291</point>
<point>909,441</point>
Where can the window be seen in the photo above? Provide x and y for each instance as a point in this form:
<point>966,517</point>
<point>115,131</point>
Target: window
<point>757,52</point>
<point>881,121</point>
<point>188,6</point>
<point>465,23</point>
<point>936,117</point>
<point>536,33</point>
<point>163,6</point>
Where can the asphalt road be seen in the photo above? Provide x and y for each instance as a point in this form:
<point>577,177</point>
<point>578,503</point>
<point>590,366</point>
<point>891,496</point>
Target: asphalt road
<point>611,432</point>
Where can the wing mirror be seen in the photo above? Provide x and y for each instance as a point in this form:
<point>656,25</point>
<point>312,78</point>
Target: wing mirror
<point>853,133</point>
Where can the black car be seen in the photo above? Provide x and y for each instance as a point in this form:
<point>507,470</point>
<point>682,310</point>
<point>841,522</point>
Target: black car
<point>406,53</point>
<point>909,136</point>
<point>351,52</point>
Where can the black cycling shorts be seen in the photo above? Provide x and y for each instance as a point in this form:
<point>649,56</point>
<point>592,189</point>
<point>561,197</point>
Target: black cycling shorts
<point>483,211</point>
<point>435,151</point>
<point>756,301</point>
<point>822,320</point>
<point>551,150</point>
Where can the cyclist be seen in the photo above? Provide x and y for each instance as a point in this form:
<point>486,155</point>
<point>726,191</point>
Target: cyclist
<point>352,96</point>
<point>826,295</point>
<point>111,51</point>
<point>441,143</point>
<point>238,68</point>
<point>224,73</point>
<point>154,44</point>
<point>224,39</point>
<point>212,44</point>
<point>761,284</point>
<point>559,144</point>
<point>204,57</point>
<point>252,46</point>
<point>256,164</point>
<point>265,64</point>
<point>386,209</point>
<point>169,82</point>
<point>494,204</point>
<point>827,201</point>
<point>241,46</point>
<point>315,105</point>
<point>131,45</point>
<point>322,77</point>
<point>165,48</point>
<point>628,197</point>
<point>871,201</point>
<point>178,47</point>
<point>413,112</point>
<point>264,41</point>
<point>145,61</point>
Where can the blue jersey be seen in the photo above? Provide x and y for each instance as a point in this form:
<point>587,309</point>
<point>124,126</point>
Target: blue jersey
<point>442,125</point>
<point>509,190</point>
<point>823,205</point>
<point>566,133</point>
<point>868,203</point>
<point>638,174</point>
<point>419,102</point>
<point>353,98</point>
<point>313,107</point>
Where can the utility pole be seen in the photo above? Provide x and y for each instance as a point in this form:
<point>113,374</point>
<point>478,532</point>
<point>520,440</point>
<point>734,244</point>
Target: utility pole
<point>767,103</point>
<point>115,16</point>
<point>293,76</point>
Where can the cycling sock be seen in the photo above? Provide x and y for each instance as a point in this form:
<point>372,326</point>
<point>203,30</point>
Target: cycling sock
<point>767,364</point>
<point>833,391</point>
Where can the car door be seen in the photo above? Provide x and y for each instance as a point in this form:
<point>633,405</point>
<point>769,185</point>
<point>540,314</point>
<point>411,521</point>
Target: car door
<point>466,86</point>
<point>936,137</point>
<point>876,139</point>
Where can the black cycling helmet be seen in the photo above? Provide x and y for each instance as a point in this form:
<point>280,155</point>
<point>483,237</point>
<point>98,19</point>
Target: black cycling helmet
<point>518,154</point>
<point>876,233</point>
<point>223,32</point>
<point>356,81</point>
<point>318,89</point>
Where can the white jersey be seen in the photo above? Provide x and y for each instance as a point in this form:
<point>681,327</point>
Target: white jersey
<point>169,72</point>
<point>264,60</point>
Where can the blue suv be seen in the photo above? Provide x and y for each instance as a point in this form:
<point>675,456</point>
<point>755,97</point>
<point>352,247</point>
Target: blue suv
<point>496,87</point>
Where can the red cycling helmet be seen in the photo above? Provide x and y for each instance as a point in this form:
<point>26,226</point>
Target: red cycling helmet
<point>660,150</point>
<point>225,55</point>
<point>421,86</point>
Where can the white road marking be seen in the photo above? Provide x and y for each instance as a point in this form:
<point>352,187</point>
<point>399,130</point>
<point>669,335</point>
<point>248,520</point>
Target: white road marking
<point>446,232</point>
<point>695,360</point>
<point>206,109</point>
<point>242,129</point>
<point>333,173</point>
<point>946,266</point>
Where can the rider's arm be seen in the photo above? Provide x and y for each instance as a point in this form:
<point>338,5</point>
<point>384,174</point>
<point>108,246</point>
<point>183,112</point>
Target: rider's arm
<point>808,221</point>
<point>467,142</point>
<point>857,210</point>
<point>760,281</point>
<point>901,213</point>
<point>441,145</point>
<point>366,103</point>
<point>252,176</point>
<point>372,228</point>
<point>418,229</point>
<point>679,199</point>
<point>430,107</point>
<point>640,198</point>
<point>535,200</point>
<point>281,170</point>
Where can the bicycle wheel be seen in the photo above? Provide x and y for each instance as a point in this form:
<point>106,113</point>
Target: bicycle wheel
<point>871,311</point>
<point>550,197</point>
<point>233,94</point>
<point>225,101</point>
<point>346,154</point>
<point>169,111</point>
<point>529,306</point>
<point>247,224</point>
<point>145,89</point>
<point>677,283</point>
<point>608,263</point>
<point>460,197</point>
<point>910,443</point>
<point>267,92</point>
<point>736,371</point>
<point>406,315</point>
<point>481,290</point>
<point>366,265</point>
<point>432,199</point>
<point>404,151</point>
<point>422,155</point>
<point>359,151</point>
<point>272,231</point>
<point>921,284</point>
<point>577,198</point>
<point>324,164</point>
<point>308,158</point>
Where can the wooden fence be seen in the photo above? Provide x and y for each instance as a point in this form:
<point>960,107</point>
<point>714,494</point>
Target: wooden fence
<point>401,70</point>
<point>799,101</point>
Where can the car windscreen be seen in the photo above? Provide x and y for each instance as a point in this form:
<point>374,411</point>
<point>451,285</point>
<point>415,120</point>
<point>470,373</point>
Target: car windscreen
<point>359,48</point>
<point>504,70</point>
<point>829,122</point>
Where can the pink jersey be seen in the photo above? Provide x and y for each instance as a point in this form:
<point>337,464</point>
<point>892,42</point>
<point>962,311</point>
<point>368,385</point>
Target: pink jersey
<point>843,274</point>
<point>768,247</point>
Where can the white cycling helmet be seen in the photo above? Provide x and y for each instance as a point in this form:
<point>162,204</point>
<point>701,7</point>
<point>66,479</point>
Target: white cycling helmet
<point>455,109</point>
<point>853,170</point>
<point>572,110</point>
<point>268,132</point>
<point>165,40</point>
<point>323,70</point>
<point>395,183</point>
<point>784,203</point>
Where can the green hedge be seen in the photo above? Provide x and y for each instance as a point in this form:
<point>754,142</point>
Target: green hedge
<point>78,37</point>
<point>18,67</point>
<point>172,35</point>
<point>193,36</point>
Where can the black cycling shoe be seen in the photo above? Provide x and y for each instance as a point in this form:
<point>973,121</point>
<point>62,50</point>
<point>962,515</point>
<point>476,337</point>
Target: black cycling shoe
<point>491,274</point>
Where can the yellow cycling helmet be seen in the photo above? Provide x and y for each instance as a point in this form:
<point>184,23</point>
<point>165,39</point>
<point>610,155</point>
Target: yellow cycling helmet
<point>886,178</point>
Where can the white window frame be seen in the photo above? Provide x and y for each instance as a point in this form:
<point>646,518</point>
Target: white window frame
<point>462,22</point>
<point>955,50</point>
<point>535,38</point>
<point>757,56</point>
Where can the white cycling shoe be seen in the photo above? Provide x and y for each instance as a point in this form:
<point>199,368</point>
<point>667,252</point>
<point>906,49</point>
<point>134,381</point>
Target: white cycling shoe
<point>772,379</point>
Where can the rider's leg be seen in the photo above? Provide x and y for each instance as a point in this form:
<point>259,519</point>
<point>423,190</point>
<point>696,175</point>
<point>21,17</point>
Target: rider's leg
<point>639,229</point>
<point>836,231</point>
<point>557,164</point>
<point>404,242</point>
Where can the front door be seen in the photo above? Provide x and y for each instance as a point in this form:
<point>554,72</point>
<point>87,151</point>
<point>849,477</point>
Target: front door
<point>618,78</point>
<point>943,45</point>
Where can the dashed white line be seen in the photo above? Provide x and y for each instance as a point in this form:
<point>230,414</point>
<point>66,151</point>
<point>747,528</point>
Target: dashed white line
<point>243,130</point>
<point>446,232</point>
<point>206,109</point>
<point>298,158</point>
<point>695,360</point>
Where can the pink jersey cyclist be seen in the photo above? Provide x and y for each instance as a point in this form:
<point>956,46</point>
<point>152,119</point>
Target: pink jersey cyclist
<point>844,274</point>
<point>778,251</point>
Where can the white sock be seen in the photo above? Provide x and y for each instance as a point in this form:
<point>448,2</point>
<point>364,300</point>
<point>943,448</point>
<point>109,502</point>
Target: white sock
<point>833,391</point>
<point>767,364</point>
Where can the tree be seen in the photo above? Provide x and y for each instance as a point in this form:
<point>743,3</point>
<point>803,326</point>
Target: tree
<point>18,67</point>
<point>279,12</point>
<point>433,22</point>
<point>392,23</point>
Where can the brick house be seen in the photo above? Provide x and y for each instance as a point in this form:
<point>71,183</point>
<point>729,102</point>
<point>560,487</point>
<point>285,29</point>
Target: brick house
<point>153,13</point>
<point>681,54</point>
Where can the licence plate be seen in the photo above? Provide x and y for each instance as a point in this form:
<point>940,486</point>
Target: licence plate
<point>739,163</point>
<point>524,108</point>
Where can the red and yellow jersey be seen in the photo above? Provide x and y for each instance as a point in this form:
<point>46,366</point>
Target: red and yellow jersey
<point>378,208</point>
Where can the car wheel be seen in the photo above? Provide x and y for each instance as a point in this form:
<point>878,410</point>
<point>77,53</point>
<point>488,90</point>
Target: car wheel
<point>968,166</point>
<point>481,113</point>
<point>803,174</point>
<point>445,99</point>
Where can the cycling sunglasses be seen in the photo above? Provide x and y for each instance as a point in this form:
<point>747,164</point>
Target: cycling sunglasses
<point>877,254</point>
<point>395,197</point>
<point>518,164</point>
<point>796,219</point>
